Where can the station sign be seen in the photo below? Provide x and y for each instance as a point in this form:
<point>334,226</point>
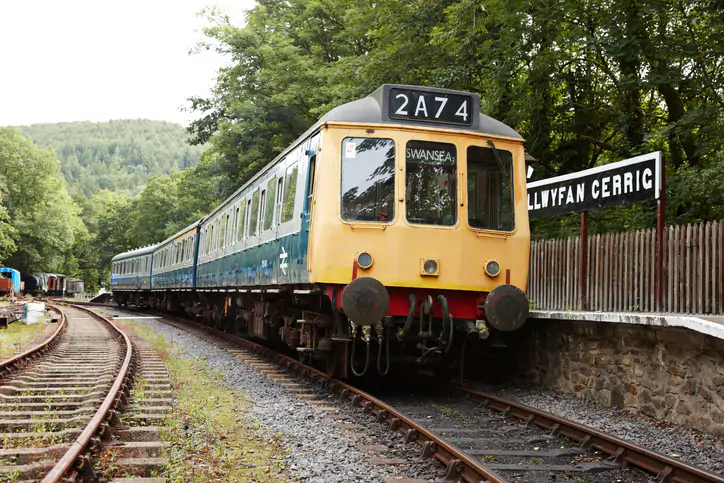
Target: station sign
<point>624,182</point>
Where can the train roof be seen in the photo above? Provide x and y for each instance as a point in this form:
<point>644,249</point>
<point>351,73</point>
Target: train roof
<point>135,252</point>
<point>180,232</point>
<point>373,109</point>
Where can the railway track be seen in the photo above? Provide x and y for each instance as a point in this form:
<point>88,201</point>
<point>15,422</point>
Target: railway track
<point>499,441</point>
<point>61,400</point>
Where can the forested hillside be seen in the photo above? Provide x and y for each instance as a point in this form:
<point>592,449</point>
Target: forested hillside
<point>118,156</point>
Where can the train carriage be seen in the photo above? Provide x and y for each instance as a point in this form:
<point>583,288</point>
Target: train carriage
<point>131,275</point>
<point>174,261</point>
<point>394,230</point>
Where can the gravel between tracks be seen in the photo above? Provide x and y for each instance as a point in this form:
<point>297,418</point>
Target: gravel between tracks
<point>319,451</point>
<point>690,446</point>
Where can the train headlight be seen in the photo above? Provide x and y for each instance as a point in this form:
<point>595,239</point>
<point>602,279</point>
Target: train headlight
<point>492,269</point>
<point>430,267</point>
<point>364,260</point>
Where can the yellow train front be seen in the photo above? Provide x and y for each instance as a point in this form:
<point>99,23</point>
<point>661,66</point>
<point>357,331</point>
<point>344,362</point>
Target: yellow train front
<point>419,233</point>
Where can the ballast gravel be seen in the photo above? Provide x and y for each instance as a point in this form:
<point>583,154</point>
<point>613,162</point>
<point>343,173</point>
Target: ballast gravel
<point>319,450</point>
<point>676,441</point>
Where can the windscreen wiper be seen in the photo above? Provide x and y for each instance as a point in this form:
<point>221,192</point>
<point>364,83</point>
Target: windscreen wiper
<point>502,167</point>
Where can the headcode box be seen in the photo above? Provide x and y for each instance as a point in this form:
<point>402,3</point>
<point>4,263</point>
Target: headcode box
<point>628,181</point>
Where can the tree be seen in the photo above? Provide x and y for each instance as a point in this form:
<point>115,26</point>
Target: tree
<point>44,218</point>
<point>586,83</point>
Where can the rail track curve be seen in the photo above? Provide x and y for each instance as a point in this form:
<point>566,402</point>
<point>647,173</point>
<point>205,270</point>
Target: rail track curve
<point>459,465</point>
<point>60,399</point>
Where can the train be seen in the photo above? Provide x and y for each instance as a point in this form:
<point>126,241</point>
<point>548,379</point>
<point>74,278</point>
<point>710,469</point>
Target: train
<point>393,232</point>
<point>52,284</point>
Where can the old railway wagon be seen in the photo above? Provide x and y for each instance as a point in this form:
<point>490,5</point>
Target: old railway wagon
<point>395,230</point>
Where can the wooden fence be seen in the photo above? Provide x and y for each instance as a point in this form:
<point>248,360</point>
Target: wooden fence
<point>621,272</point>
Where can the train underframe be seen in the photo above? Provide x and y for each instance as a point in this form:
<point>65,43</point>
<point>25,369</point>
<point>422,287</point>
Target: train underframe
<point>312,325</point>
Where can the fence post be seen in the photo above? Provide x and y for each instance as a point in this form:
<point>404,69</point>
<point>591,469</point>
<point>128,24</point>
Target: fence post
<point>584,258</point>
<point>660,225</point>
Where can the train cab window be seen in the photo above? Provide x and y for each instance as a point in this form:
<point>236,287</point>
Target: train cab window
<point>431,183</point>
<point>290,193</point>
<point>490,189</point>
<point>271,189</point>
<point>368,179</point>
<point>254,215</point>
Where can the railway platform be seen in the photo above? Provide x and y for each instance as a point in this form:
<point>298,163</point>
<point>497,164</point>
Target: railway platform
<point>711,325</point>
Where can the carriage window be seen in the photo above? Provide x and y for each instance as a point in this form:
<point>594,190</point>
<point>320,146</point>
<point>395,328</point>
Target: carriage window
<point>210,240</point>
<point>224,224</point>
<point>368,179</point>
<point>217,233</point>
<point>290,193</point>
<point>237,223</point>
<point>490,189</point>
<point>431,183</point>
<point>280,198</point>
<point>271,189</point>
<point>242,220</point>
<point>253,219</point>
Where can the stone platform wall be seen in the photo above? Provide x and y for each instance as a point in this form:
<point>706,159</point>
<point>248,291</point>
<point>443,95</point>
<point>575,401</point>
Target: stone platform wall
<point>667,373</point>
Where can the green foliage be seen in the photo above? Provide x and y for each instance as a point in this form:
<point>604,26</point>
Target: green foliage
<point>117,155</point>
<point>44,219</point>
<point>586,83</point>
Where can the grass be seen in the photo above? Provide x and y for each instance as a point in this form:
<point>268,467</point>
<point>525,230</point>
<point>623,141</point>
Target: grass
<point>16,336</point>
<point>211,438</point>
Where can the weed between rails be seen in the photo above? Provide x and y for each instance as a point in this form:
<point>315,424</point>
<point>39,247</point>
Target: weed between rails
<point>210,437</point>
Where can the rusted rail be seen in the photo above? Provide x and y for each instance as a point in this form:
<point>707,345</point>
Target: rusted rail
<point>74,460</point>
<point>9,366</point>
<point>459,467</point>
<point>667,470</point>
<point>623,452</point>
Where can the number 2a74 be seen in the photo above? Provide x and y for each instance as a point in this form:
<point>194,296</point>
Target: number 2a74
<point>436,107</point>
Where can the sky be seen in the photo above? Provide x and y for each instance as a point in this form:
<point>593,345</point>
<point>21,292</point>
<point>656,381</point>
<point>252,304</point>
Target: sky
<point>95,60</point>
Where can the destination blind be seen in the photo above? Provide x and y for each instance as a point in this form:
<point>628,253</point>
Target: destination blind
<point>431,106</point>
<point>629,181</point>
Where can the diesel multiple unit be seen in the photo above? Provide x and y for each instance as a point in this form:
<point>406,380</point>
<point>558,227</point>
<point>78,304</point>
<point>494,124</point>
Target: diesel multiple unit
<point>394,230</point>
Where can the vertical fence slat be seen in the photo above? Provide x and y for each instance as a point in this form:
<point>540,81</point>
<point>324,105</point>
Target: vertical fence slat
<point>700,275</point>
<point>714,253</point>
<point>682,269</point>
<point>625,272</point>
<point>707,267</point>
<point>720,268</point>
<point>646,284</point>
<point>688,269</point>
<point>617,272</point>
<point>557,274</point>
<point>620,254</point>
<point>652,271</point>
<point>671,269</point>
<point>568,261</point>
<point>606,263</point>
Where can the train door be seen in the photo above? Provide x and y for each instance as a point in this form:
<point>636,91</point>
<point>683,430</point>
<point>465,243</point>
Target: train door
<point>309,194</point>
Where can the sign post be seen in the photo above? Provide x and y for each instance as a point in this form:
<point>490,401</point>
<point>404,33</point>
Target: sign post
<point>629,181</point>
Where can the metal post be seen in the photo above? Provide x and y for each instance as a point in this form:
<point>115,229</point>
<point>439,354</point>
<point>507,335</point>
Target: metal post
<point>660,228</point>
<point>583,275</point>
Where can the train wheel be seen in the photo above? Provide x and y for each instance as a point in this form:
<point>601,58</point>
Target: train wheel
<point>333,357</point>
<point>334,363</point>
